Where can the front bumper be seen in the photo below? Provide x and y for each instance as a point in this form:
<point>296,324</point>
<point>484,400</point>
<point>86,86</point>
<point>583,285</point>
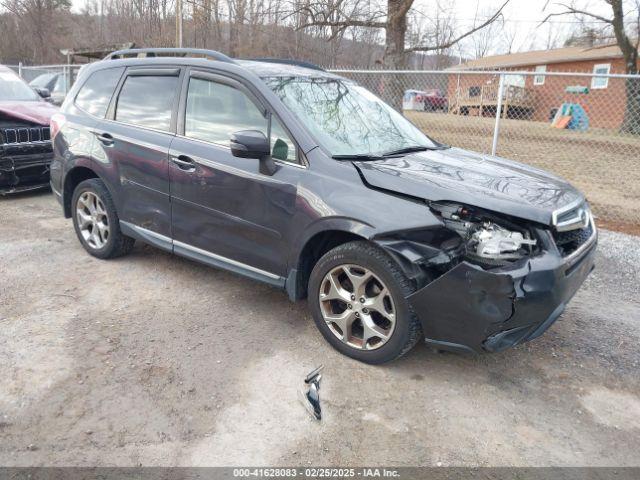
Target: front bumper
<point>26,169</point>
<point>472,309</point>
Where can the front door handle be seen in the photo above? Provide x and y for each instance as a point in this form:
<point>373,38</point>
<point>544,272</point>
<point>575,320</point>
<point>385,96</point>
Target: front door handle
<point>106,139</point>
<point>184,163</point>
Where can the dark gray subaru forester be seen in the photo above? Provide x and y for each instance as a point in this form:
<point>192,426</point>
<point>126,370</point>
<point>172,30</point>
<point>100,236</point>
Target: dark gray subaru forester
<point>288,174</point>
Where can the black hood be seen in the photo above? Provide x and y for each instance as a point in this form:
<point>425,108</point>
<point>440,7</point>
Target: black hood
<point>474,179</point>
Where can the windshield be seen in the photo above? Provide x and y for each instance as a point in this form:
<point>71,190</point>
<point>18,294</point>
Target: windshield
<point>12,88</point>
<point>42,80</point>
<point>346,118</point>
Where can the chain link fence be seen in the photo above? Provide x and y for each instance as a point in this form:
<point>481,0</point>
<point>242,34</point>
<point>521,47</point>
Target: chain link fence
<point>582,127</point>
<point>58,79</point>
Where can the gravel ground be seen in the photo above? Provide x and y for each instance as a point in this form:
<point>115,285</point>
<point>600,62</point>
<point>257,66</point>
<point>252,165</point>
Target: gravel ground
<point>155,360</point>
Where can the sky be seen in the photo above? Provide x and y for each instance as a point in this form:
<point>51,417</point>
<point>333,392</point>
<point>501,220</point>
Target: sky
<point>522,21</point>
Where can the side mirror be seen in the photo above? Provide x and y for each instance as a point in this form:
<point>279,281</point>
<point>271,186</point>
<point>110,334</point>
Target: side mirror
<point>253,144</point>
<point>43,92</point>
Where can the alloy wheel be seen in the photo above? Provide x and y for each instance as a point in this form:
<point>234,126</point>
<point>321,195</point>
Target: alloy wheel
<point>93,221</point>
<point>357,307</point>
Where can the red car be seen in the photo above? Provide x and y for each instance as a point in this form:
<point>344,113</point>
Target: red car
<point>25,139</point>
<point>428,100</point>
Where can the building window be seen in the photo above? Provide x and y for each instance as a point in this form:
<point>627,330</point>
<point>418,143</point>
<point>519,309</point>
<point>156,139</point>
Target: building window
<point>600,82</point>
<point>539,79</point>
<point>514,80</point>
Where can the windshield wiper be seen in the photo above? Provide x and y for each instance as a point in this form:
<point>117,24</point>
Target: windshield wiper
<point>359,156</point>
<point>411,149</point>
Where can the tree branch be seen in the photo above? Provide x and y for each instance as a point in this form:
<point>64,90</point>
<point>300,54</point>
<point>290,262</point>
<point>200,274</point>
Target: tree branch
<point>343,24</point>
<point>452,42</point>
<point>318,15</point>
<point>574,11</point>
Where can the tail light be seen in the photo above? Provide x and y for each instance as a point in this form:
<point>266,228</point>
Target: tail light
<point>56,123</point>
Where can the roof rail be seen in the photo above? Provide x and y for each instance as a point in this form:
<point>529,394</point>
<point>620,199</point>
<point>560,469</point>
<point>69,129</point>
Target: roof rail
<point>168,52</point>
<point>297,63</point>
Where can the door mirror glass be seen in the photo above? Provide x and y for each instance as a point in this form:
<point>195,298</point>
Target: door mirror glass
<point>280,149</point>
<point>249,144</point>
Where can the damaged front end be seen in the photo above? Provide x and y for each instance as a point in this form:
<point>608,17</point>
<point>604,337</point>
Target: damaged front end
<point>25,156</point>
<point>487,282</point>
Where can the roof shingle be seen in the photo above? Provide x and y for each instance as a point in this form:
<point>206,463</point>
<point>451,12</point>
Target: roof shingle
<point>542,57</point>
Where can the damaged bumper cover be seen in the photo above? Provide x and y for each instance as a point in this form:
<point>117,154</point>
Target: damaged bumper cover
<point>474,310</point>
<point>24,167</point>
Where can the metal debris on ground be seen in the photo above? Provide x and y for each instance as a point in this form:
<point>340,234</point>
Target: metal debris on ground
<point>310,397</point>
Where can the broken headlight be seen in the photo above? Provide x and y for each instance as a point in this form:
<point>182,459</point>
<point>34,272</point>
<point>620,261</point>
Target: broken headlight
<point>489,240</point>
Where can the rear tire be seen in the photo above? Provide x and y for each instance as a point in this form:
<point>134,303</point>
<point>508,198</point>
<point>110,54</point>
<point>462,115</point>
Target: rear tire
<point>374,322</point>
<point>96,221</point>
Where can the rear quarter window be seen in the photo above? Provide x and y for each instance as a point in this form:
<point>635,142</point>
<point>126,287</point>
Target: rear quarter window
<point>94,96</point>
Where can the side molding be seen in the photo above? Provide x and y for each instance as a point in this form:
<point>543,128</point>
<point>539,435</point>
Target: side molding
<point>147,236</point>
<point>200,255</point>
<point>209,258</point>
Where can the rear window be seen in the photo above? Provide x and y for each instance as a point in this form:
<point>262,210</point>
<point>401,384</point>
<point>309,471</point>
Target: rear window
<point>147,101</point>
<point>95,94</point>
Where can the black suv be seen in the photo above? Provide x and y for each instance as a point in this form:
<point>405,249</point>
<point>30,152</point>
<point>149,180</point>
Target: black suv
<point>291,175</point>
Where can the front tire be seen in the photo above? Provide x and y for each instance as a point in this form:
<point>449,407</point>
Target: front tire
<point>96,221</point>
<point>357,296</point>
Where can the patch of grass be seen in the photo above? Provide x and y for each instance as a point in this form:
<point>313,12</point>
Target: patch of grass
<point>604,164</point>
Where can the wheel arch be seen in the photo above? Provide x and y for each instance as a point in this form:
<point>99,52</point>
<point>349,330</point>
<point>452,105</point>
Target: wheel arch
<point>314,246</point>
<point>73,177</point>
<point>418,252</point>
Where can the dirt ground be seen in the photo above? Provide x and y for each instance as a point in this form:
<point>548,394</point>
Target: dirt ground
<point>604,164</point>
<point>155,360</point>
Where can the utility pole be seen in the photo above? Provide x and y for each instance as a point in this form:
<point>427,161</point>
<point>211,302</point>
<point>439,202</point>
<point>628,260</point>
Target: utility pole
<point>179,23</point>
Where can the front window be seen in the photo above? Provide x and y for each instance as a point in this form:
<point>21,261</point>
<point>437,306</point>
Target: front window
<point>539,79</point>
<point>600,82</point>
<point>216,110</point>
<point>13,89</point>
<point>346,118</point>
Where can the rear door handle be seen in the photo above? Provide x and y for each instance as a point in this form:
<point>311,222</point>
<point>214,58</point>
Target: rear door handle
<point>106,139</point>
<point>184,163</point>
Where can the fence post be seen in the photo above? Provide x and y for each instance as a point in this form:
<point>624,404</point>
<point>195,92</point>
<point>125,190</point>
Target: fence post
<point>20,69</point>
<point>496,128</point>
<point>65,74</point>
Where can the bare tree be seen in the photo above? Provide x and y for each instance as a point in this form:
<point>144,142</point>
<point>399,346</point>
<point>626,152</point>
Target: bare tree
<point>485,40</point>
<point>628,46</point>
<point>434,27</point>
<point>393,19</point>
<point>38,19</point>
<point>555,37</point>
<point>509,34</point>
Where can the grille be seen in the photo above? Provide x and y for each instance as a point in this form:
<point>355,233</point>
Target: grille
<point>568,242</point>
<point>16,136</point>
<point>572,219</point>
